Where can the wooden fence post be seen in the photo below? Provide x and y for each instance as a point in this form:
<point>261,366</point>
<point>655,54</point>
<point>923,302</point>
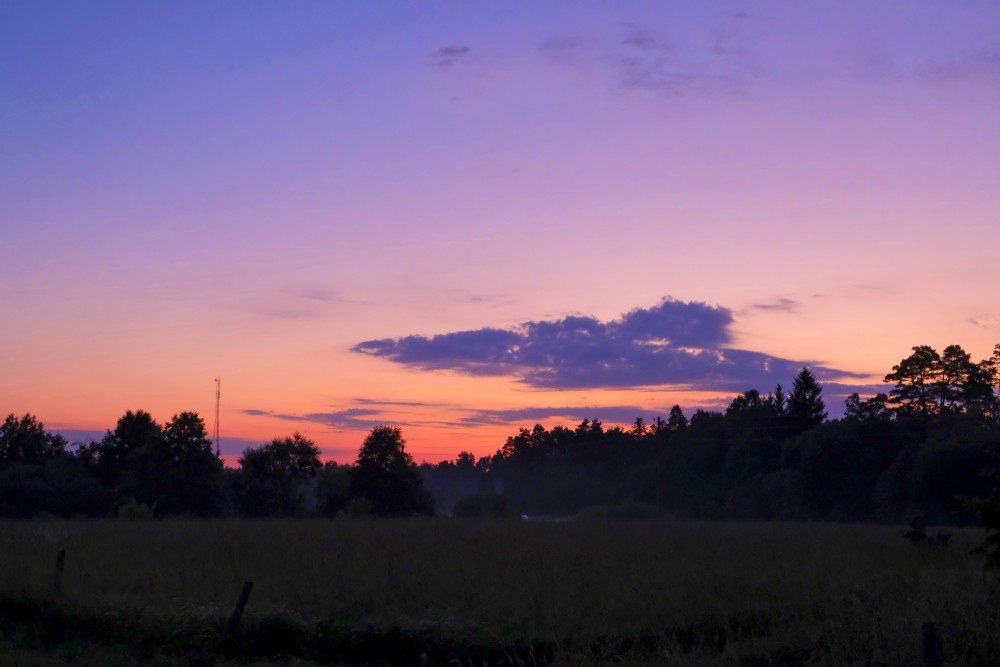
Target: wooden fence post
<point>60,567</point>
<point>234,620</point>
<point>933,651</point>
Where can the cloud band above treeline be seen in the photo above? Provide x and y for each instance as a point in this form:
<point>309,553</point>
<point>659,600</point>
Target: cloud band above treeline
<point>674,343</point>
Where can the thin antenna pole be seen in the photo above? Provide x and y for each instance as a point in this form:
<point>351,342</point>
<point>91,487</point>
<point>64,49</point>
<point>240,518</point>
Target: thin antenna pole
<point>218,397</point>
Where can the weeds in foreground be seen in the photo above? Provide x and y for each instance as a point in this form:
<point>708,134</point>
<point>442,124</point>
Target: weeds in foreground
<point>497,592</point>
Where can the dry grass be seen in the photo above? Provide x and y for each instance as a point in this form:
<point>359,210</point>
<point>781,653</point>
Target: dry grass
<point>659,591</point>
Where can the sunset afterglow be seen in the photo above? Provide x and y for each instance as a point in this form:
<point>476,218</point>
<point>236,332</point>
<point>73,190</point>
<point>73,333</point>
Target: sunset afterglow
<point>467,218</point>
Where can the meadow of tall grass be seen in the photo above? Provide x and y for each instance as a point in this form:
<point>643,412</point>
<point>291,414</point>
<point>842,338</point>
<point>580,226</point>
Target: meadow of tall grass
<point>575,592</point>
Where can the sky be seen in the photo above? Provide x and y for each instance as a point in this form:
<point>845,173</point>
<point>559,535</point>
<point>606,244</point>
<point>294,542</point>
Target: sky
<point>466,218</point>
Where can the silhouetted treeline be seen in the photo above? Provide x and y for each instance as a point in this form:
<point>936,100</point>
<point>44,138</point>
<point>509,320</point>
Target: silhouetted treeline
<point>920,447</point>
<point>144,469</point>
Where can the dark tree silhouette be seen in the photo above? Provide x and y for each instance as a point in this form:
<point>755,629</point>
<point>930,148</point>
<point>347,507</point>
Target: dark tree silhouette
<point>676,421</point>
<point>749,403</point>
<point>806,409</point>
<point>36,474</point>
<point>191,472</point>
<point>927,383</point>
<point>915,379</point>
<point>780,401</point>
<point>977,392</point>
<point>172,468</point>
<point>25,440</point>
<point>465,461</point>
<point>124,458</point>
<point>964,384</point>
<point>993,366</point>
<point>957,369</point>
<point>876,407</point>
<point>334,488</point>
<point>386,476</point>
<point>277,479</point>
<point>449,481</point>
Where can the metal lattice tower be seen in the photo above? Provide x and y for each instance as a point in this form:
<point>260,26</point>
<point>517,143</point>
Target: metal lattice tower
<point>218,396</point>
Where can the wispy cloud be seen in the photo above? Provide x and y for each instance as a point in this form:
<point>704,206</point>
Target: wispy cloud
<point>409,404</point>
<point>617,414</point>
<point>494,300</point>
<point>299,302</point>
<point>780,304</point>
<point>647,58</point>
<point>316,294</point>
<point>572,51</point>
<point>349,418</point>
<point>647,61</point>
<point>986,321</point>
<point>449,56</point>
<point>675,343</point>
<point>365,419</point>
<point>366,413</point>
<point>732,53</point>
<point>427,414</point>
<point>982,66</point>
<point>731,36</point>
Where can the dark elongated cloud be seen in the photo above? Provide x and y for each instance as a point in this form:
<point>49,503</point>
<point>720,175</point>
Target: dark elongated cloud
<point>355,418</point>
<point>450,55</point>
<point>782,303</point>
<point>617,414</point>
<point>675,343</point>
<point>350,418</point>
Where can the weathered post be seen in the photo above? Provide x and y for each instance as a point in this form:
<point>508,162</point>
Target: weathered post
<point>60,566</point>
<point>933,651</point>
<point>234,620</point>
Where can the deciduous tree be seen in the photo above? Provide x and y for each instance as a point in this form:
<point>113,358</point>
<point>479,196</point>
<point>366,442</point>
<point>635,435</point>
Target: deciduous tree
<point>25,440</point>
<point>192,471</point>
<point>277,478</point>
<point>386,475</point>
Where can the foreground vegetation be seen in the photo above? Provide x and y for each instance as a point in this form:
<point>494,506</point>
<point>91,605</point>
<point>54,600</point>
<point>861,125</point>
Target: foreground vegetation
<point>493,592</point>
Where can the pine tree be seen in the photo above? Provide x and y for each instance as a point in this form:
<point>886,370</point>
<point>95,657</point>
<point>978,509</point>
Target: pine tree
<point>805,404</point>
<point>677,421</point>
<point>916,378</point>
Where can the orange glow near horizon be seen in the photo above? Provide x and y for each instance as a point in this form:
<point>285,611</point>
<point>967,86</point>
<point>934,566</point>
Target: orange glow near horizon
<point>254,210</point>
<point>298,386</point>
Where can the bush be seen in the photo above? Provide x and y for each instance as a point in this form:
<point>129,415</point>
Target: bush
<point>133,511</point>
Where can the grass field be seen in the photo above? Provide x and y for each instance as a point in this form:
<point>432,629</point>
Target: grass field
<point>490,592</point>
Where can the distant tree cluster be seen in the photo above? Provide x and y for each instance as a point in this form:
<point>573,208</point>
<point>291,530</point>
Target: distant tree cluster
<point>286,478</point>
<point>142,468</point>
<point>927,383</point>
<point>922,446</point>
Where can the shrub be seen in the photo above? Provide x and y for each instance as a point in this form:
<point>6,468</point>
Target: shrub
<point>134,511</point>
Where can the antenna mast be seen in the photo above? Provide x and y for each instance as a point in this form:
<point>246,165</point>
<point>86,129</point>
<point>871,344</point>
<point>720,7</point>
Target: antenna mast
<point>218,396</point>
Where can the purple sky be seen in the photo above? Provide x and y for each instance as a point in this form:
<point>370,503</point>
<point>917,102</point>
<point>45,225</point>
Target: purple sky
<point>352,211</point>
